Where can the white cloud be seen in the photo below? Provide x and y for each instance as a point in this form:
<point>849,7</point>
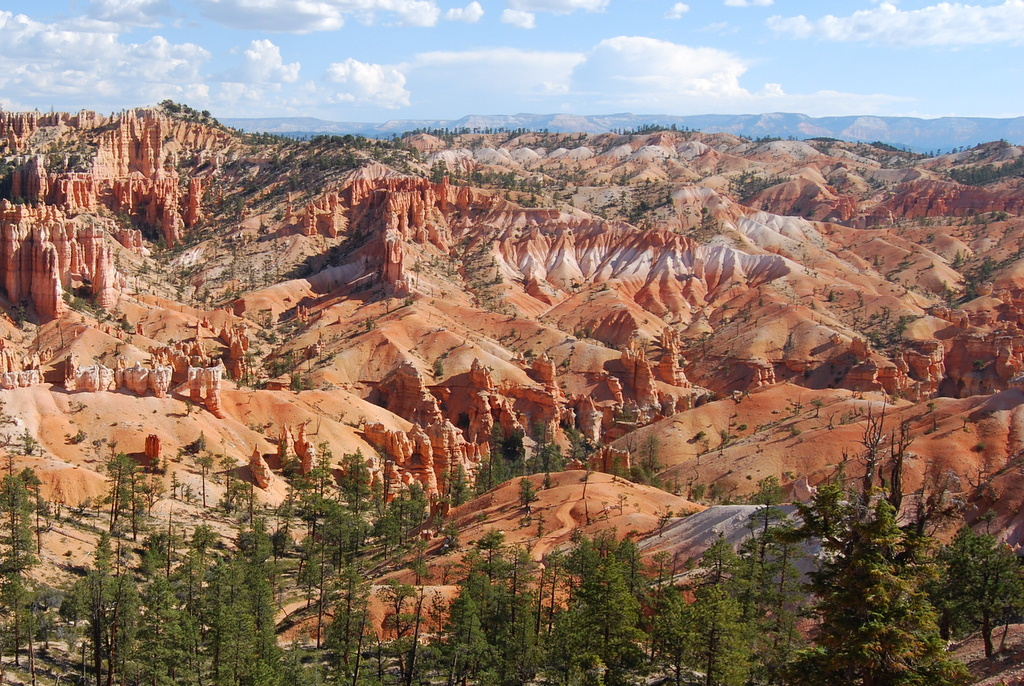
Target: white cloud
<point>130,12</point>
<point>677,11</point>
<point>414,12</point>
<point>748,3</point>
<point>626,73</point>
<point>306,16</point>
<point>262,63</point>
<point>942,24</point>
<point>558,6</point>
<point>648,75</point>
<point>368,84</point>
<point>508,72</point>
<point>471,13</point>
<point>290,16</point>
<point>89,68</point>
<point>647,72</point>
<point>158,60</point>
<point>722,28</point>
<point>519,19</point>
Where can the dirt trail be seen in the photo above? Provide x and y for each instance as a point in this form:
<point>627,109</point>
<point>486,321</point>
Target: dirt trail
<point>563,513</point>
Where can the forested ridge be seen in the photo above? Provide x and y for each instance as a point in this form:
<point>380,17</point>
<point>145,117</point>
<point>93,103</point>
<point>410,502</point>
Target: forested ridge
<point>160,604</point>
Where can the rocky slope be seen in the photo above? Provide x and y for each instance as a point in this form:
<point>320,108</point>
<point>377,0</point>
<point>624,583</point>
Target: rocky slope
<point>669,300</point>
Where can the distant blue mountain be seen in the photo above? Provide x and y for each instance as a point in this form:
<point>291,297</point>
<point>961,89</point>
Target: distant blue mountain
<point>921,135</point>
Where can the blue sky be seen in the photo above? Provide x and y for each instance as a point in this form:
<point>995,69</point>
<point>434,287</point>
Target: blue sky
<point>376,60</point>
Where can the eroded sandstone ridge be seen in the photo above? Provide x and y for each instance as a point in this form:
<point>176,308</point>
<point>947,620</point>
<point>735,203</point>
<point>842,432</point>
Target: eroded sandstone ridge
<point>43,252</point>
<point>521,297</point>
<point>129,165</point>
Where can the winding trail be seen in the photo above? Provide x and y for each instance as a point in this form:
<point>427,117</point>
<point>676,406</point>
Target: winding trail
<point>563,514</point>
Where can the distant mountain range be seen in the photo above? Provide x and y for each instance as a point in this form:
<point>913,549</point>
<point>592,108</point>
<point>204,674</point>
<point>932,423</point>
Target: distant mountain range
<point>921,135</point>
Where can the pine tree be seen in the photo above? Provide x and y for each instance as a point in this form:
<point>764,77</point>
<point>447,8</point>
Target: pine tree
<point>674,632</point>
<point>876,626</point>
<point>161,637</point>
<point>599,632</point>
<point>721,636</point>
<point>347,632</point>
<point>108,600</point>
<point>772,590</point>
<point>355,482</point>
<point>190,581</point>
<point>981,583</point>
<point>17,556</point>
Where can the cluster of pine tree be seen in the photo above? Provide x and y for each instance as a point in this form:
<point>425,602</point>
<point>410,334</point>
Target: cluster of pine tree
<point>844,591</point>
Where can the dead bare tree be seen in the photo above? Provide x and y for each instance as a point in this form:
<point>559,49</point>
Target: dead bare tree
<point>899,443</point>
<point>938,500</point>
<point>872,440</point>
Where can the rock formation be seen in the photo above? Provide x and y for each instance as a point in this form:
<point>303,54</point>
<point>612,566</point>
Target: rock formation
<point>325,216</point>
<point>925,363</point>
<point>925,198</point>
<point>99,378</point>
<point>298,446</point>
<point>412,455</point>
<point>236,339</point>
<point>153,448</point>
<point>180,356</point>
<point>639,374</point>
<point>204,386</point>
<point>589,420</point>
<point>133,170</point>
<point>261,474</point>
<point>22,379</point>
<point>18,372</point>
<point>668,369</point>
<point>42,252</point>
<point>139,379</point>
<point>408,397</point>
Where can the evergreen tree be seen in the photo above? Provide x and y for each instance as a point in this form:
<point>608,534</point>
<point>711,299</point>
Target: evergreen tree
<point>981,583</point>
<point>491,631</point>
<point>355,482</point>
<point>599,633</point>
<point>162,652</point>
<point>876,626</point>
<point>347,632</point>
<point>240,637</point>
<point>402,614</point>
<point>772,592</point>
<point>107,598</point>
<point>721,636</point>
<point>17,556</point>
<point>190,581</point>
<point>674,632</point>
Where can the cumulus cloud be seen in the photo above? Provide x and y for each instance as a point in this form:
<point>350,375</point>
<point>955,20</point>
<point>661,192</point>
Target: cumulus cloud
<point>558,6</point>
<point>43,61</point>
<point>942,24</point>
<point>622,73</point>
<point>366,84</point>
<point>650,75</point>
<point>519,19</point>
<point>414,12</point>
<point>748,3</point>
<point>160,61</point>
<point>677,11</point>
<point>262,63</point>
<point>471,13</point>
<point>641,71</point>
<point>306,16</point>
